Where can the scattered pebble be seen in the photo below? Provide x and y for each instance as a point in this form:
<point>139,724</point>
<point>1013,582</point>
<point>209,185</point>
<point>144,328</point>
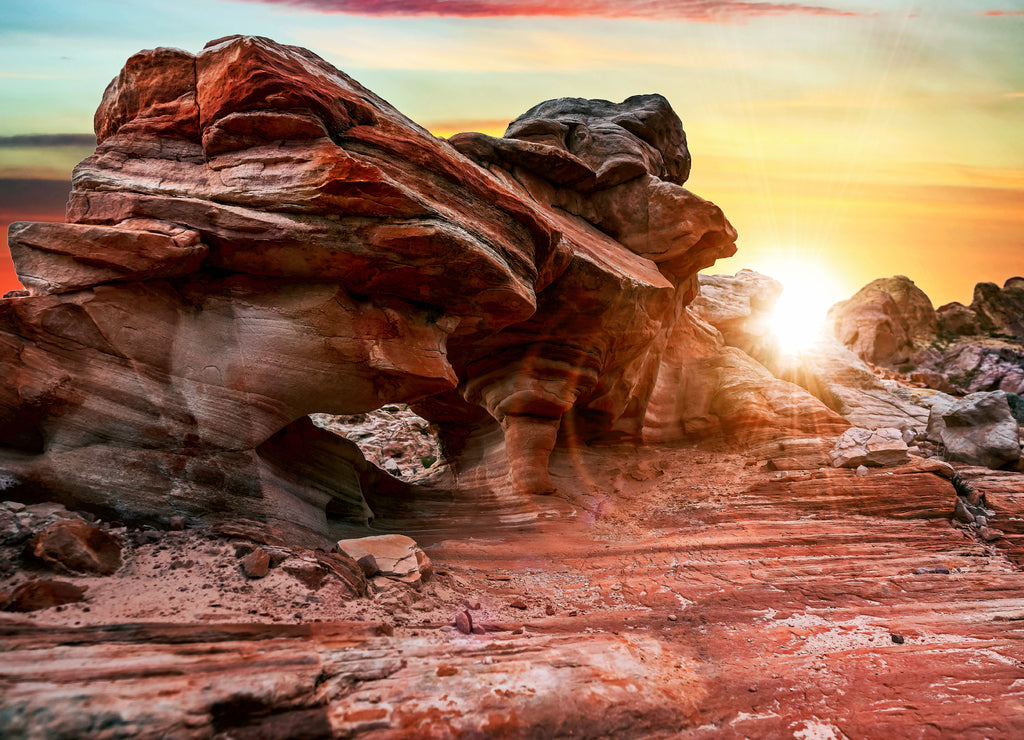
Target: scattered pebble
<point>464,622</point>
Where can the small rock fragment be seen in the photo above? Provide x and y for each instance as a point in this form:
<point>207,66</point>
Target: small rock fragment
<point>464,622</point>
<point>672,617</point>
<point>368,564</point>
<point>549,610</point>
<point>989,535</point>
<point>307,572</point>
<point>961,514</point>
<point>256,564</point>
<point>176,524</point>
<point>897,638</point>
<point>518,604</point>
<point>862,470</point>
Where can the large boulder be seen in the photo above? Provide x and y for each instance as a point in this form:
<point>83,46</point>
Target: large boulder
<point>885,321</point>
<point>978,429</point>
<point>869,447</point>
<point>75,545</point>
<point>390,555</point>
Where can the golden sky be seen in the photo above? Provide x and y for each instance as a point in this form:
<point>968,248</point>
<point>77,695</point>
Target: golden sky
<point>860,137</point>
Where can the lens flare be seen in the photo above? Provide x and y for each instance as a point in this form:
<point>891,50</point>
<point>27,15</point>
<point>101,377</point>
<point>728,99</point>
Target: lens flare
<point>799,317</point>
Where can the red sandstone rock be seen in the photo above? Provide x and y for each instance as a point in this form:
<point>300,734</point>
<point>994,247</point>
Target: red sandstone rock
<point>464,622</point>
<point>885,321</point>
<point>256,564</point>
<point>61,258</point>
<point>78,546</point>
<point>34,595</point>
<point>297,246</point>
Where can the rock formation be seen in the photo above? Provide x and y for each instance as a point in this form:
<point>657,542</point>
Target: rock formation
<point>258,238</point>
<point>740,307</point>
<point>885,321</point>
<point>1000,310</point>
<point>955,348</point>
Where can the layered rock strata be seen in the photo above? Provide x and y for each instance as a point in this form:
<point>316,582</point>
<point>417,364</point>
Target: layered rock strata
<point>258,237</point>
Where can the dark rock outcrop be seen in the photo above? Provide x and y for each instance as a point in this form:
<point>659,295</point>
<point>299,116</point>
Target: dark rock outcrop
<point>1000,310</point>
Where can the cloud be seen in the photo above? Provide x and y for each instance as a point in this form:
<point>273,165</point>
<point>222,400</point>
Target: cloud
<point>46,140</point>
<point>1001,12</point>
<point>691,10</point>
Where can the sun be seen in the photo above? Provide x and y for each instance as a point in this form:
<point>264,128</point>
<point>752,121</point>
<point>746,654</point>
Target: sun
<point>809,290</point>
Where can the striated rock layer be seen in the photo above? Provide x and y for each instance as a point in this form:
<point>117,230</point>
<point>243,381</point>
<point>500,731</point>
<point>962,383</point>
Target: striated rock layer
<point>258,237</point>
<point>700,597</point>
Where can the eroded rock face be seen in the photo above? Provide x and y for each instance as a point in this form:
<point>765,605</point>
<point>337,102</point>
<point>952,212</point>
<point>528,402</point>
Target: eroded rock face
<point>258,237</point>
<point>740,306</point>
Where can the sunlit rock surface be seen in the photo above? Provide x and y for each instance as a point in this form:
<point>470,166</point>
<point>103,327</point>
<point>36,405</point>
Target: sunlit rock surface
<point>258,238</point>
<point>885,321</point>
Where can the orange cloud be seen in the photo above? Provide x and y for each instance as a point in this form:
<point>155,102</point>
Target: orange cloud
<point>708,11</point>
<point>1001,12</point>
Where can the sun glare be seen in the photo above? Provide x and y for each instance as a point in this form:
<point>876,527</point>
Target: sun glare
<point>799,316</point>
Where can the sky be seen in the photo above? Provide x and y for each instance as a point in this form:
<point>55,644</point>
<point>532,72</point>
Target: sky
<point>845,139</point>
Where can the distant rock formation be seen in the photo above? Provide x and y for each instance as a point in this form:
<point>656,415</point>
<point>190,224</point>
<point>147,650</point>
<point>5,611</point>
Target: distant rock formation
<point>740,306</point>
<point>994,310</point>
<point>955,349</point>
<point>885,321</point>
<point>258,237</point>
